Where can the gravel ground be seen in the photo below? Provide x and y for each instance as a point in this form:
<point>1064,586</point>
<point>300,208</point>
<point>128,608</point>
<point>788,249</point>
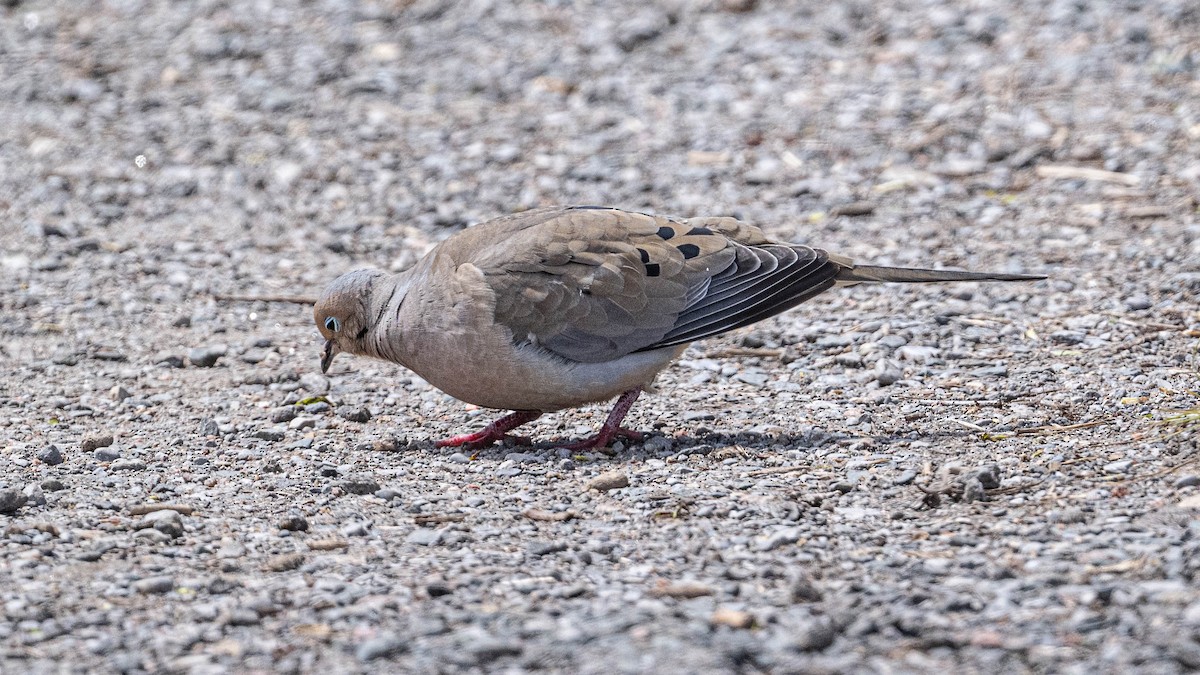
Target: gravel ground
<point>966,478</point>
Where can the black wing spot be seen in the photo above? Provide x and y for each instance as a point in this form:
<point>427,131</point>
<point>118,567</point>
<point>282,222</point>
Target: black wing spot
<point>361,334</point>
<point>591,207</point>
<point>644,254</point>
<point>700,230</point>
<point>653,269</point>
<point>689,250</point>
<point>666,232</point>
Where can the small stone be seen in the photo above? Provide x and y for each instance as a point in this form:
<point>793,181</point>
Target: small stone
<point>781,537</point>
<point>34,495</point>
<point>814,637</point>
<point>489,649</point>
<point>681,589</point>
<point>359,528</point>
<point>152,536</point>
<point>284,414</point>
<point>905,478</point>
<point>381,646</point>
<point>355,414</point>
<point>301,423</point>
<point>1183,481</point>
<point>887,372</point>
<point>732,618</point>
<point>1138,302</point>
<point>437,589</point>
<point>53,485</point>
<point>169,360</point>
<point>424,536</point>
<point>317,408</point>
<point>209,427</point>
<point>106,454</point>
<point>1067,516</point>
<point>206,357</point>
<point>129,464</point>
<point>658,444</point>
<point>988,475</point>
<point>284,562</point>
<point>90,443</point>
<point>359,485</point>
<point>119,393</point>
<point>608,481</point>
<point>272,435</point>
<point>294,523</point>
<point>973,490</point>
<point>51,455</point>
<point>459,458</point>
<point>1121,466</point>
<point>803,590</point>
<point>154,585</point>
<point>242,616</point>
<point>167,521</point>
<point>547,547</point>
<point>314,383</point>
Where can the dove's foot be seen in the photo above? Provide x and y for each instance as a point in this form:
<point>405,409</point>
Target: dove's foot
<point>496,431</point>
<point>612,429</point>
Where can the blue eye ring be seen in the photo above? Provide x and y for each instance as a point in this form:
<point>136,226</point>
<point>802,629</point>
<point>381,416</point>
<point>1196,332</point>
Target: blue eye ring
<point>332,324</point>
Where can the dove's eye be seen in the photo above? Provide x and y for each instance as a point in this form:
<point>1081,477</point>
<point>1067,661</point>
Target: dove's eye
<point>332,324</point>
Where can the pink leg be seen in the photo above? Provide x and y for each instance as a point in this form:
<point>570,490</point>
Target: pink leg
<point>496,431</point>
<point>612,426</point>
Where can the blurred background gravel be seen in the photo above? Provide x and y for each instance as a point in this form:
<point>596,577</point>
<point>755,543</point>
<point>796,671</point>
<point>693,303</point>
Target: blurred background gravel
<point>966,478</point>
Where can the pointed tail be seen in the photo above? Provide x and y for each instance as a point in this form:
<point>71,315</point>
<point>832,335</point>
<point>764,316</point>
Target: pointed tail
<point>876,274</point>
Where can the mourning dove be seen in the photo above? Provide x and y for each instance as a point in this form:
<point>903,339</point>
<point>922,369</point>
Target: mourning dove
<point>557,307</point>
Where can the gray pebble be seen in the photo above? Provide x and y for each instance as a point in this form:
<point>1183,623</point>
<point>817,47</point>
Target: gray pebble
<point>381,646</point>
<point>53,485</point>
<point>242,616</point>
<point>486,649</point>
<point>1120,466</point>
<point>1138,302</point>
<point>887,372</point>
<point>284,414</point>
<point>459,458</point>
<point>314,383</point>
<point>128,464</point>
<point>1190,480</point>
<point>154,585</point>
<point>424,536</point>
<point>359,485</point>
<point>206,357</point>
<point>355,414</point>
<point>209,427</point>
<point>973,490</point>
<point>359,528</point>
<point>294,523</point>
<point>34,495</point>
<point>547,547</point>
<point>51,455</point>
<point>317,408</point>
<point>905,478</point>
<point>272,435</point>
<point>167,521</point>
<point>781,537</point>
<point>106,454</point>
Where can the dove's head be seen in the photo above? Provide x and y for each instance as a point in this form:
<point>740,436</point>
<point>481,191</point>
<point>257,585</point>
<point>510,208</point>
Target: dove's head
<point>343,314</point>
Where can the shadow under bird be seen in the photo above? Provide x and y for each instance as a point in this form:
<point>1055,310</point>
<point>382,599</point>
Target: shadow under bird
<point>558,307</point>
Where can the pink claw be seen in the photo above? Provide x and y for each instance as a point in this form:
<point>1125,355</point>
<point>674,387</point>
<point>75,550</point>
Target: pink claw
<point>496,431</point>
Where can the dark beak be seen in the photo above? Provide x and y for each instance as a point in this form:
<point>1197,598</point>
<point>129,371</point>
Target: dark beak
<point>327,355</point>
